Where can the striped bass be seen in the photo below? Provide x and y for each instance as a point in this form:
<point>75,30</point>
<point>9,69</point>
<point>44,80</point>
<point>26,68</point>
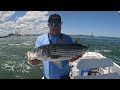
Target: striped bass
<point>57,52</point>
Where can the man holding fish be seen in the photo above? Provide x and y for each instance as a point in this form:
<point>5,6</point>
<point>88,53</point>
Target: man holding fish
<point>53,48</point>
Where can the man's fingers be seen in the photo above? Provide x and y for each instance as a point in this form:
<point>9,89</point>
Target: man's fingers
<point>73,59</point>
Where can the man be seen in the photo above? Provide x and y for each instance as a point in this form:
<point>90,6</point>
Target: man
<point>51,71</point>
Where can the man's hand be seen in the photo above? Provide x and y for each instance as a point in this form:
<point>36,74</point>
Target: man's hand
<point>75,58</point>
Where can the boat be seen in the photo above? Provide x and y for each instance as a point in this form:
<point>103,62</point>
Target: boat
<point>93,65</point>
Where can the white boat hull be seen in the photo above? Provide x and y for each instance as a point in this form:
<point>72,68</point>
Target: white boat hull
<point>107,68</point>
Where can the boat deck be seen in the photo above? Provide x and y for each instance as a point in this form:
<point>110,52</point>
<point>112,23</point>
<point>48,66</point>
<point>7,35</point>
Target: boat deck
<point>90,60</point>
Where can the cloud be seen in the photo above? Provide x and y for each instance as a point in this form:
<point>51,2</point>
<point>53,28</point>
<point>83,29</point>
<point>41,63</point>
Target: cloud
<point>32,16</point>
<point>33,22</point>
<point>5,15</point>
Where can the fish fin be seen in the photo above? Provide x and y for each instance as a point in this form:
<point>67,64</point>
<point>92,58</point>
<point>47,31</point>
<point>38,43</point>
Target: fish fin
<point>77,40</point>
<point>58,64</point>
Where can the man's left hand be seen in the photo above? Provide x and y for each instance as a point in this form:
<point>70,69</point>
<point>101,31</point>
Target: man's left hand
<point>75,58</point>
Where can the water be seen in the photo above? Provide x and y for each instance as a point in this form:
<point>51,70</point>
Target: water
<point>13,60</point>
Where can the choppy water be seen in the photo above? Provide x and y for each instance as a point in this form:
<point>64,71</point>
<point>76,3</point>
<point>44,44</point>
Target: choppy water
<point>13,60</point>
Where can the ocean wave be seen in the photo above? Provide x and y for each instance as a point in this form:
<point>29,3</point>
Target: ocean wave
<point>14,44</point>
<point>28,43</point>
<point>2,47</point>
<point>15,67</point>
<point>96,50</point>
<point>107,51</point>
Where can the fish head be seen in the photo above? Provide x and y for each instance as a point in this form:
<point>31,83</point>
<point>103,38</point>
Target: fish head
<point>31,54</point>
<point>42,53</point>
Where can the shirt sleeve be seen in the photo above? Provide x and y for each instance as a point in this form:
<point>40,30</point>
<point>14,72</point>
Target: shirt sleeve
<point>38,42</point>
<point>69,40</point>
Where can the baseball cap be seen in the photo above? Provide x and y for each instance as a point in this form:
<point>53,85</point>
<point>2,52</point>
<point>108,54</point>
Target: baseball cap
<point>54,18</point>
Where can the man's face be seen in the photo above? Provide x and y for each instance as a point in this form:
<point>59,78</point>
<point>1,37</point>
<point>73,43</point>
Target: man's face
<point>55,28</point>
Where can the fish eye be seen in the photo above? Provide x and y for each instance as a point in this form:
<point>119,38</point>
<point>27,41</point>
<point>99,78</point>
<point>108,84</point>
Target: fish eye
<point>34,50</point>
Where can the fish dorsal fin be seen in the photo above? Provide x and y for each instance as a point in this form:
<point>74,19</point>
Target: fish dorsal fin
<point>77,40</point>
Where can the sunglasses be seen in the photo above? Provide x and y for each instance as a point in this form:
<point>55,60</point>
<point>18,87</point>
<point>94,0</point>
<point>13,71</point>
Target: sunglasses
<point>56,24</point>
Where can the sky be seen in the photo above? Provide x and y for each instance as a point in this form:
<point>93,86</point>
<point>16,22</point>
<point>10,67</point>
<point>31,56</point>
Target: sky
<point>100,23</point>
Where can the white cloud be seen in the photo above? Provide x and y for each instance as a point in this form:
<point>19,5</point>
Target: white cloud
<point>5,15</point>
<point>32,16</point>
<point>33,22</point>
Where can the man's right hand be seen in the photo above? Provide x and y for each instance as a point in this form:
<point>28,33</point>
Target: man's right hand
<point>75,58</point>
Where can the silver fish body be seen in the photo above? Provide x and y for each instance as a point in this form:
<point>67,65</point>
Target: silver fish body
<point>57,52</point>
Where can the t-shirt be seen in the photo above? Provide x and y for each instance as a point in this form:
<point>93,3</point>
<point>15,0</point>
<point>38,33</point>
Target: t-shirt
<point>51,71</point>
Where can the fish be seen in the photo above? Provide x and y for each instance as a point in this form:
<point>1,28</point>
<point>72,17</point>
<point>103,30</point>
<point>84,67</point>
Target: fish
<point>57,52</point>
